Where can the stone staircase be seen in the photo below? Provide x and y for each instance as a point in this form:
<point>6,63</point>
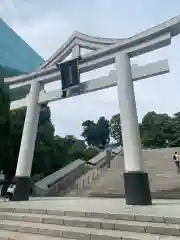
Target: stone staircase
<point>164,181</point>
<point>43,224</point>
<point>94,173</point>
<point>75,175</point>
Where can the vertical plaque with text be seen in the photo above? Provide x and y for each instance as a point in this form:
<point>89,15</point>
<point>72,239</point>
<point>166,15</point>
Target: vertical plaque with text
<point>69,74</point>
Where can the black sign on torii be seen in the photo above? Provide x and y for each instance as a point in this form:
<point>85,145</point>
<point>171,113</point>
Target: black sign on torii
<point>70,75</point>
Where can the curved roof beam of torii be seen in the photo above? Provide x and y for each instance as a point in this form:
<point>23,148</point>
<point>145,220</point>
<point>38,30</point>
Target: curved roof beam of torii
<point>84,41</point>
<point>171,27</point>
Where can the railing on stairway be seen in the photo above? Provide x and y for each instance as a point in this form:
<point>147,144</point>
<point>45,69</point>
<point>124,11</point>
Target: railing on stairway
<point>100,165</point>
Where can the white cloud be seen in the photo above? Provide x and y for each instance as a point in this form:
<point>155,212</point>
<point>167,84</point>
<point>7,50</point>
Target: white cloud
<point>45,25</point>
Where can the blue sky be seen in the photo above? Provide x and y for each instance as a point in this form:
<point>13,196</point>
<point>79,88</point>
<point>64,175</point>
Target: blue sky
<point>46,25</point>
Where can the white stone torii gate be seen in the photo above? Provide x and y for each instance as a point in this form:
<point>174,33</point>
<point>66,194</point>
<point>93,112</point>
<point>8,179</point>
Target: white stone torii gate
<point>27,91</point>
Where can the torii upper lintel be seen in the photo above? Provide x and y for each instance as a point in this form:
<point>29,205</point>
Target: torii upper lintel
<point>83,41</point>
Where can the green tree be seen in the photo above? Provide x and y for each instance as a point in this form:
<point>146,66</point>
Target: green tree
<point>76,148</point>
<point>43,153</point>
<point>158,130</point>
<point>103,132</point>
<point>115,129</point>
<point>152,130</point>
<point>174,130</point>
<point>96,134</point>
<point>89,133</point>
<point>60,154</point>
<point>90,152</point>
<point>16,126</point>
<point>7,157</point>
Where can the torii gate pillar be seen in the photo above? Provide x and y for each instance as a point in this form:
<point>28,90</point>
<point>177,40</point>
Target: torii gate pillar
<point>136,183</point>
<point>26,152</point>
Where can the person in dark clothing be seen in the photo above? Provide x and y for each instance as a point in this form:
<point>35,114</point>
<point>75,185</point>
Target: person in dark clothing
<point>10,192</point>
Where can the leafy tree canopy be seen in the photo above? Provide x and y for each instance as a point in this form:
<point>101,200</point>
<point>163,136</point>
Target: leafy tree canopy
<point>96,134</point>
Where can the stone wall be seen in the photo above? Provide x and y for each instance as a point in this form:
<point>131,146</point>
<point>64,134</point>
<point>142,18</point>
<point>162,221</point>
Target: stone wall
<point>60,179</point>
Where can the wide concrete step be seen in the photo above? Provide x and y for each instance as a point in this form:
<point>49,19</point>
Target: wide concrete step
<point>56,213</point>
<point>8,235</point>
<point>77,233</point>
<point>166,228</point>
<point>98,223</point>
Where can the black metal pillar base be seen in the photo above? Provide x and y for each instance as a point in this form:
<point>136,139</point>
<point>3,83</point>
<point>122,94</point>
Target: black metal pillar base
<point>22,189</point>
<point>137,189</point>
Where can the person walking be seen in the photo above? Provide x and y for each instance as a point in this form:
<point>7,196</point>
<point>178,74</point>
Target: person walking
<point>176,159</point>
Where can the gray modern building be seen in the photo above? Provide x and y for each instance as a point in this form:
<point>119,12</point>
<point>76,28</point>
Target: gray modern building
<point>16,56</point>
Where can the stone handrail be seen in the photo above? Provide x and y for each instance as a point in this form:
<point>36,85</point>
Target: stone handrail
<point>48,184</point>
<point>99,168</point>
